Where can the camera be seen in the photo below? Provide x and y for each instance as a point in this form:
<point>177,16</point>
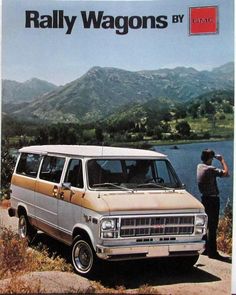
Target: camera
<point>218,157</point>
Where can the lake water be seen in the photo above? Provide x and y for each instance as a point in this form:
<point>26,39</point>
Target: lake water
<point>185,160</point>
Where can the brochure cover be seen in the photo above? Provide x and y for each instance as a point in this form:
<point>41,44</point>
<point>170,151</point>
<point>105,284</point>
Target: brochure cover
<point>151,75</point>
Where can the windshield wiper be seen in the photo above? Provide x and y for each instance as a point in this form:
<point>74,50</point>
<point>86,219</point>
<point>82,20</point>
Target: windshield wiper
<point>155,185</point>
<point>113,185</point>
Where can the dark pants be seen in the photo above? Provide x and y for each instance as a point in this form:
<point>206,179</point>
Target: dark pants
<point>212,208</point>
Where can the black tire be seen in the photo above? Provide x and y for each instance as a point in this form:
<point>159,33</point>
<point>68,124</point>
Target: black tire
<point>190,261</point>
<point>25,229</point>
<point>185,263</point>
<point>83,257</point>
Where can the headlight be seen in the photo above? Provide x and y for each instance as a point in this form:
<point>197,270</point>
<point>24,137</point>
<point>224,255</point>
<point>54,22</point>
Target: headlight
<point>108,224</point>
<point>200,220</point>
<point>108,228</point>
<point>110,235</point>
<point>200,224</point>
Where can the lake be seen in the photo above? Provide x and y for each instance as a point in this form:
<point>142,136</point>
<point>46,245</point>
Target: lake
<point>186,157</point>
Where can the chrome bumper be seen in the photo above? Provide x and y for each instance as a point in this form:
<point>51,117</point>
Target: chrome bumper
<point>148,251</point>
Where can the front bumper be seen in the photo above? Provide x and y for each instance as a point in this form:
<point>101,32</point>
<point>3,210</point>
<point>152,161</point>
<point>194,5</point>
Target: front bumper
<point>150,251</point>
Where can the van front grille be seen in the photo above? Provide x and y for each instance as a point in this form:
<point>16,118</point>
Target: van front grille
<point>156,226</point>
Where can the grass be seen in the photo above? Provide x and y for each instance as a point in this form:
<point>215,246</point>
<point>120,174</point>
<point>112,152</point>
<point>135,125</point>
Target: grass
<point>221,128</point>
<point>17,285</point>
<point>224,240</point>
<point>144,289</point>
<point>14,140</point>
<point>225,229</point>
<point>17,259</point>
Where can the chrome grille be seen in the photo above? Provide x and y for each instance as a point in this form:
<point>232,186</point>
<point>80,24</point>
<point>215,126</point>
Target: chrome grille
<point>157,225</point>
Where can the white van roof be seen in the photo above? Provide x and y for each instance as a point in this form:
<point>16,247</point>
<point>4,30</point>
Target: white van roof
<point>92,151</point>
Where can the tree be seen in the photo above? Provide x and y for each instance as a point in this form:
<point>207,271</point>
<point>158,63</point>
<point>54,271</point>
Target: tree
<point>183,128</point>
<point>167,116</point>
<point>99,135</point>
<point>207,107</point>
<point>53,133</point>
<point>165,127</point>
<point>71,137</point>
<point>180,113</point>
<point>193,110</point>
<point>7,166</point>
<point>42,137</point>
<point>227,108</point>
<point>158,132</point>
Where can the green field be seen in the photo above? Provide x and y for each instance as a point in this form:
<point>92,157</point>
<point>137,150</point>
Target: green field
<point>217,128</point>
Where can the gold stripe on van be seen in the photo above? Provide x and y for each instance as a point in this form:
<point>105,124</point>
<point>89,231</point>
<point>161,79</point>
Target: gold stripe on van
<point>24,182</point>
<point>47,189</point>
<point>74,197</point>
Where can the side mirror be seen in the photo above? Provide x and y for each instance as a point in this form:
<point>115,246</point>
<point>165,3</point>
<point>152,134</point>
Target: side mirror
<point>66,186</point>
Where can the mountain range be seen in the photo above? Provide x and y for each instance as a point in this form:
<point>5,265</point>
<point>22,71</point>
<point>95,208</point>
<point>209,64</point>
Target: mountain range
<point>103,91</point>
<point>16,92</point>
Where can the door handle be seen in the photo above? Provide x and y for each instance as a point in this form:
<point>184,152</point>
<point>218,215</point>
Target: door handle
<point>61,195</point>
<point>55,191</point>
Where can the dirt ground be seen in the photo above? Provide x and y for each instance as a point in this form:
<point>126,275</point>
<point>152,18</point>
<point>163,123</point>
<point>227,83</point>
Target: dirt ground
<point>208,276</point>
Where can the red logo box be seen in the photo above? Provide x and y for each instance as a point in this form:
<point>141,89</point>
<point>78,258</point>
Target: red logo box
<point>203,20</point>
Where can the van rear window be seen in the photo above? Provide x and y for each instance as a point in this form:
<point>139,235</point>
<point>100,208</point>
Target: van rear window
<point>28,165</point>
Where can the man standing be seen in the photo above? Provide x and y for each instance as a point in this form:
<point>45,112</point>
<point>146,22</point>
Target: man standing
<point>207,184</point>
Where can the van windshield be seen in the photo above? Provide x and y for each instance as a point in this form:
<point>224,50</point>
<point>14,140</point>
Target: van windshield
<point>113,174</point>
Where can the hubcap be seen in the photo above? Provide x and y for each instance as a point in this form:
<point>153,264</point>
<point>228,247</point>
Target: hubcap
<point>22,227</point>
<point>82,257</point>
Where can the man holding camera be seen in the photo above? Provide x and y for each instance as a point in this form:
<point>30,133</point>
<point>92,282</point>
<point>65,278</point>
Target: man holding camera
<point>207,184</point>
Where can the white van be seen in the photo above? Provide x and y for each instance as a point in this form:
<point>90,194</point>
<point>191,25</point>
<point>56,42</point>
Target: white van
<point>106,203</point>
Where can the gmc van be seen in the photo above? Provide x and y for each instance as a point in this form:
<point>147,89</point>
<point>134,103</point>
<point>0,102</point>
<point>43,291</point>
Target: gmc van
<point>106,203</point>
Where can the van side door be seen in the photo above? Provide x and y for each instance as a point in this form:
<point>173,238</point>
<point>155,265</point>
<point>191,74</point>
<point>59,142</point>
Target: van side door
<point>47,194</point>
<point>71,194</point>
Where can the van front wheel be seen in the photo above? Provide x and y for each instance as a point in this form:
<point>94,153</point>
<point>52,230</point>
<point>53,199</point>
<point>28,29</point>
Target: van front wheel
<point>83,257</point>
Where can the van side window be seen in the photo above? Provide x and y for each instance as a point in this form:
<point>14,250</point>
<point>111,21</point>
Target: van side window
<point>74,173</point>
<point>28,165</point>
<point>52,168</point>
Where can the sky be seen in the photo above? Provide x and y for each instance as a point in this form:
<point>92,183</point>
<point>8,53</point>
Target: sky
<point>59,58</point>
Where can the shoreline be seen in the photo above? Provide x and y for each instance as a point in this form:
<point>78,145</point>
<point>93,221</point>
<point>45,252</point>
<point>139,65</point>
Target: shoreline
<point>151,143</point>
